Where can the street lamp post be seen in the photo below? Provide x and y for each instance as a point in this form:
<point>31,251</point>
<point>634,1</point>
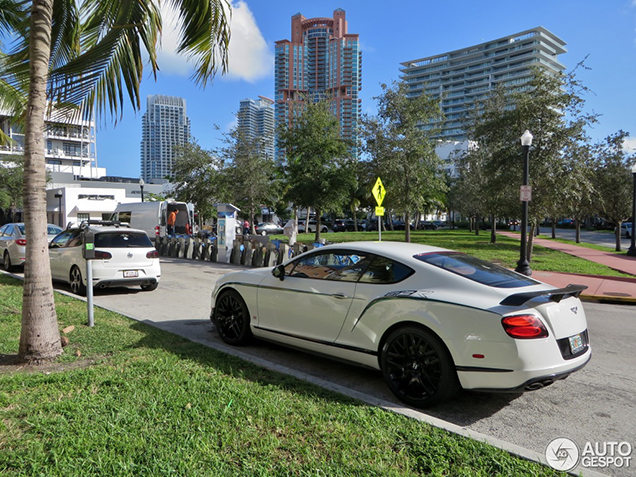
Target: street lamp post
<point>58,196</point>
<point>141,186</point>
<point>523,266</point>
<point>632,248</point>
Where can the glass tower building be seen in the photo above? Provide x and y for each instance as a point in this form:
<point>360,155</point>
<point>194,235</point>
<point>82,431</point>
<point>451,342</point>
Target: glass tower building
<point>322,61</point>
<point>164,125</point>
<point>256,119</point>
<point>463,77</point>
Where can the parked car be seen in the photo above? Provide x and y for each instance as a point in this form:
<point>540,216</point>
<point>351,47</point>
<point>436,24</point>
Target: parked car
<point>627,229</point>
<point>344,225</point>
<point>312,227</point>
<point>123,257</point>
<point>268,228</point>
<point>432,320</point>
<point>13,243</point>
<point>429,226</point>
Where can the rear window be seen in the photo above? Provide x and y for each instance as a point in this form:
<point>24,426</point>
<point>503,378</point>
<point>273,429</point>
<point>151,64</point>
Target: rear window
<point>477,270</point>
<point>122,240</point>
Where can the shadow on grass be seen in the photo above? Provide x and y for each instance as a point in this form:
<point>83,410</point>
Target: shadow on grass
<point>267,364</point>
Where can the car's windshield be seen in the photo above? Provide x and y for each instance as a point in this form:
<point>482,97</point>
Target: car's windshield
<point>53,229</point>
<point>475,269</point>
<point>122,240</point>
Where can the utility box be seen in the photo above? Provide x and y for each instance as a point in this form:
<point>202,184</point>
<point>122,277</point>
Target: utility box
<point>226,230</point>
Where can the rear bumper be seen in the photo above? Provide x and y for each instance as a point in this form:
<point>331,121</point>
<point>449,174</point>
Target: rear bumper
<point>129,282</point>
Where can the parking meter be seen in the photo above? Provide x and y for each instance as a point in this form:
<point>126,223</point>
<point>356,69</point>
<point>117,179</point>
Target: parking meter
<point>88,250</point>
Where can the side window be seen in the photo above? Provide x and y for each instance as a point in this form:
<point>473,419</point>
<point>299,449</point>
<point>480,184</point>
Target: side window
<point>2,229</point>
<point>124,216</point>
<point>9,230</point>
<point>75,240</point>
<point>61,240</point>
<point>339,266</point>
<point>383,271</point>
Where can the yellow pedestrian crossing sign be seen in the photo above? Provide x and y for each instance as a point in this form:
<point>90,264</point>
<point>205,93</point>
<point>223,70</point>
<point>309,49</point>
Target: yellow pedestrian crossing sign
<point>379,191</point>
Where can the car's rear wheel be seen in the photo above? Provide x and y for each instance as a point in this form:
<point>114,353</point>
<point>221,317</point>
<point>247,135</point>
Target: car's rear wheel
<point>6,262</point>
<point>151,287</point>
<point>418,367</point>
<point>232,318</point>
<point>76,282</point>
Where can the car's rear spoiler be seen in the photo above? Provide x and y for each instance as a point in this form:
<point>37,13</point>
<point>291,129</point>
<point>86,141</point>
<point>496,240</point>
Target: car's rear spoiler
<point>556,295</point>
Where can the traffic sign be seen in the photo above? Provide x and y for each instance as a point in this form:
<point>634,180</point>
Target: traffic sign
<point>379,192</point>
<point>379,211</point>
<point>526,193</point>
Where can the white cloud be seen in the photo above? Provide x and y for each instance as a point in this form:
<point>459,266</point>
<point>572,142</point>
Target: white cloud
<point>629,145</point>
<point>250,58</point>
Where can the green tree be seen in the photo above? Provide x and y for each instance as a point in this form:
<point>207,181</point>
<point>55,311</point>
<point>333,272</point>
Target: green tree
<point>550,106</point>
<point>613,181</point>
<point>11,178</point>
<point>318,169</point>
<point>198,178</point>
<point>402,152</point>
<point>79,57</point>
<point>250,171</point>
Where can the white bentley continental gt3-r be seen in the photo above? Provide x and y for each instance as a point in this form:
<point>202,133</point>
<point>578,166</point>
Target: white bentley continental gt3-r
<point>432,320</point>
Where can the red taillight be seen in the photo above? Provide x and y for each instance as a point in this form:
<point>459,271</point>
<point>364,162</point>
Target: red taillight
<point>152,254</point>
<point>99,255</point>
<point>21,242</point>
<point>524,327</point>
<point>157,230</point>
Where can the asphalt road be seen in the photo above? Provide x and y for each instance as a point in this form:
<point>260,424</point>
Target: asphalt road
<point>596,404</point>
<point>605,238</point>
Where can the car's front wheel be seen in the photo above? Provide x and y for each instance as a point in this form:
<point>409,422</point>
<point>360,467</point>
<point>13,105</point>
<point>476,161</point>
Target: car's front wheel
<point>6,262</point>
<point>232,319</point>
<point>418,367</point>
<point>76,282</point>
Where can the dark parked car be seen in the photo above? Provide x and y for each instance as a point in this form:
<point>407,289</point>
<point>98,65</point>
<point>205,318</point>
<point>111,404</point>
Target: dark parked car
<point>429,226</point>
<point>268,228</point>
<point>344,225</point>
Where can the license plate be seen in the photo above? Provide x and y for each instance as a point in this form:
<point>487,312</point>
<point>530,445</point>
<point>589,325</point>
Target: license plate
<point>576,343</point>
<point>135,274</point>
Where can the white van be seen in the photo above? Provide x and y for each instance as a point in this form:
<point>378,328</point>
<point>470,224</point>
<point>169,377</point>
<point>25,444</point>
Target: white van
<point>153,217</point>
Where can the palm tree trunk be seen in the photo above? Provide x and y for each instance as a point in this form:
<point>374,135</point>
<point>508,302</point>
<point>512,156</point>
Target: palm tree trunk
<point>40,336</point>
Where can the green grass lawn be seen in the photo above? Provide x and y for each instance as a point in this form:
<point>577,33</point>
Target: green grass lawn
<point>139,401</point>
<point>504,252</point>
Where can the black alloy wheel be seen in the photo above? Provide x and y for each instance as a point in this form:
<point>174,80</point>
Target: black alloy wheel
<point>417,367</point>
<point>232,318</point>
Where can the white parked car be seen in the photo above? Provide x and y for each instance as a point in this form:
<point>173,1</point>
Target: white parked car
<point>627,229</point>
<point>13,242</point>
<point>432,320</point>
<point>123,257</point>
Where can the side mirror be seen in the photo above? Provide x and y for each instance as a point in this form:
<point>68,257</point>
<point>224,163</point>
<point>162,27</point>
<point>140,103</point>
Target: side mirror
<point>279,272</point>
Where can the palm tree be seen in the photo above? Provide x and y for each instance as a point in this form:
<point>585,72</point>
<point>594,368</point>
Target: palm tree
<point>79,59</point>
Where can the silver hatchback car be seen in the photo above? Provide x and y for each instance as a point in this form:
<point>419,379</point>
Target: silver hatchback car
<point>13,242</point>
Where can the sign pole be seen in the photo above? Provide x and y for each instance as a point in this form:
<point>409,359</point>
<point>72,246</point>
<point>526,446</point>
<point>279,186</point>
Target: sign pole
<point>89,292</point>
<point>379,230</point>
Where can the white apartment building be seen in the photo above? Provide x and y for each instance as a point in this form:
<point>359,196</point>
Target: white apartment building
<point>462,77</point>
<point>256,119</point>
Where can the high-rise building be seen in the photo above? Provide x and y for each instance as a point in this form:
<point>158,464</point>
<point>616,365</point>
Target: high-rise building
<point>321,61</point>
<point>164,125</point>
<point>256,119</point>
<point>462,77</point>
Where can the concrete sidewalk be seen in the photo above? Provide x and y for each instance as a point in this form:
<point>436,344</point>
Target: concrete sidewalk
<point>607,289</point>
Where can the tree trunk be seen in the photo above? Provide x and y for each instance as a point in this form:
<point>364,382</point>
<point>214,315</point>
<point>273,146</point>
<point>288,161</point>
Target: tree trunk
<point>577,224</point>
<point>617,235</point>
<point>318,225</point>
<point>553,228</point>
<point>477,224</point>
<point>530,242</point>
<point>40,336</point>
<point>407,227</point>
<point>493,229</point>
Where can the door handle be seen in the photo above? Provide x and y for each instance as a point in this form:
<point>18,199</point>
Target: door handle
<point>340,296</point>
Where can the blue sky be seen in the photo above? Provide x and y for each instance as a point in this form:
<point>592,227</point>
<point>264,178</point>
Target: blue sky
<point>602,30</point>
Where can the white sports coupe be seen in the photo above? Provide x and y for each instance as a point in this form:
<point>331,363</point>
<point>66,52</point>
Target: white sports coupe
<point>432,320</point>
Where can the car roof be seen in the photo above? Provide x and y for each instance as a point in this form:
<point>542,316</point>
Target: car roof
<point>396,250</point>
